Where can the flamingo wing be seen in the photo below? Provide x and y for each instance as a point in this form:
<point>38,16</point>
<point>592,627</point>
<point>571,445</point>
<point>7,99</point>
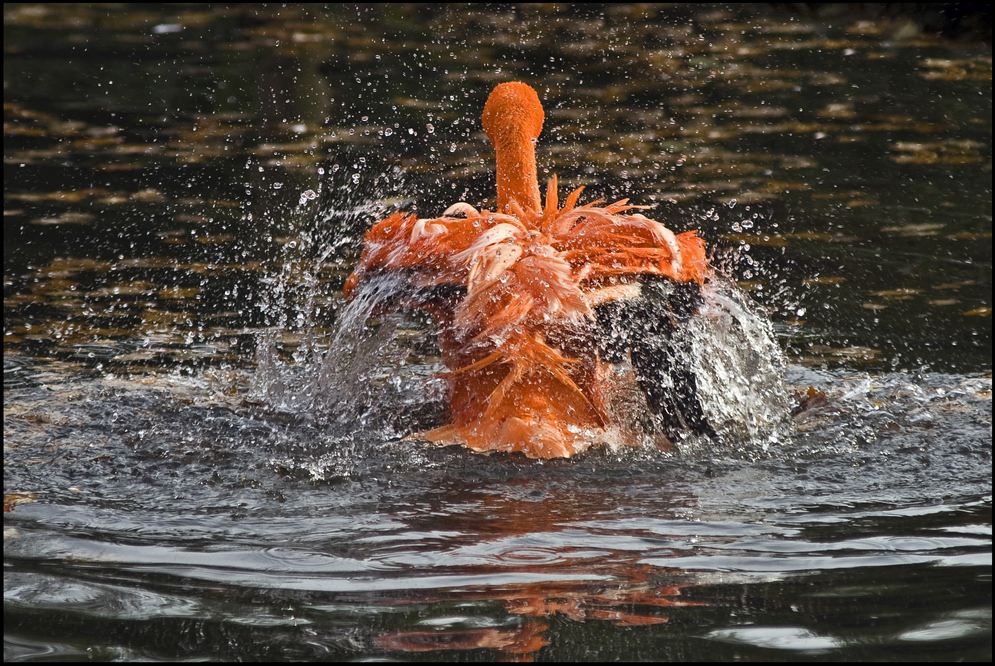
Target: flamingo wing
<point>643,329</point>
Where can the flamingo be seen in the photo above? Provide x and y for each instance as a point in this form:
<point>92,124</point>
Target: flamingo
<point>541,306</point>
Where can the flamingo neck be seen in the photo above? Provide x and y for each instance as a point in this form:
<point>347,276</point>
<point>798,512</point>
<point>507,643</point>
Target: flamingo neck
<point>513,120</point>
<point>517,179</point>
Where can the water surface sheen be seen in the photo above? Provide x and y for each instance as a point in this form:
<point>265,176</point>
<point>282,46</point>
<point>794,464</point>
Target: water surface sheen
<point>203,445</point>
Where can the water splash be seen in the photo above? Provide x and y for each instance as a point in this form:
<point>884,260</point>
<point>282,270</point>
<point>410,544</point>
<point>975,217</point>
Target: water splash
<point>309,354</point>
<point>351,377</point>
<point>346,365</point>
<point>740,369</point>
<point>361,380</point>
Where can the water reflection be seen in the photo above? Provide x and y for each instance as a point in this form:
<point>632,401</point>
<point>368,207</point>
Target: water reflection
<point>406,548</point>
<point>550,570</point>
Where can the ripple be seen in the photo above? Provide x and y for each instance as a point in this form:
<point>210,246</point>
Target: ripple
<point>531,555</point>
<point>955,625</point>
<point>778,638</point>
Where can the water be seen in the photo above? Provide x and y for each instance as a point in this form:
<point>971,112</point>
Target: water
<point>167,513</point>
<point>203,444</point>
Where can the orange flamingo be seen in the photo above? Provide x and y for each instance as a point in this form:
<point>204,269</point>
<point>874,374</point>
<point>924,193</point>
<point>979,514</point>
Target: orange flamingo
<point>536,303</point>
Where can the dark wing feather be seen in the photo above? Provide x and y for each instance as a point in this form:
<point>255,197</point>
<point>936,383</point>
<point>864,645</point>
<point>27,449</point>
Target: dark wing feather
<point>642,330</point>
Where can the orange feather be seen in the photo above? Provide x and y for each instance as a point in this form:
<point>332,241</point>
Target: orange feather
<point>519,341</point>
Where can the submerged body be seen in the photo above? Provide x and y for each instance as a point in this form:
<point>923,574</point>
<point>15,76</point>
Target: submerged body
<point>527,300</point>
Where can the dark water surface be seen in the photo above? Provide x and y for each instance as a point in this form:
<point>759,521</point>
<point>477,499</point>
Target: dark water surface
<point>202,451</point>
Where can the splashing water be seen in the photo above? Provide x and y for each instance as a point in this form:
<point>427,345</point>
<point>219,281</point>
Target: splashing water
<point>318,370</point>
<point>351,368</point>
<point>360,379</point>
<point>356,376</point>
<point>740,369</point>
<point>332,371</point>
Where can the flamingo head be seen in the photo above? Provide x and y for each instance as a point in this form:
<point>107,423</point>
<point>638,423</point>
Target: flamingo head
<point>512,113</point>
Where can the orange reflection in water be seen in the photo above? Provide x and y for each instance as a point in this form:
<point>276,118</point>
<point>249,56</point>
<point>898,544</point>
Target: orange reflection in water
<point>581,583</point>
<point>524,640</point>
